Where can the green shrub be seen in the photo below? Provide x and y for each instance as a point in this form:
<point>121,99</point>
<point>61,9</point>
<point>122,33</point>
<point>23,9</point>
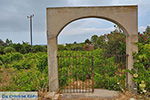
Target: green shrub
<point>30,80</point>
<point>24,64</point>
<point>141,71</point>
<point>32,67</point>
<point>39,48</point>
<point>9,50</point>
<point>10,57</point>
<point>2,49</point>
<point>77,65</point>
<point>42,62</point>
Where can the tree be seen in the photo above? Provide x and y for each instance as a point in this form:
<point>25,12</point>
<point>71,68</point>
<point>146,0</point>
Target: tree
<point>8,42</point>
<point>27,47</point>
<point>147,30</point>
<point>116,44</point>
<point>94,39</point>
<point>144,38</point>
<point>75,42</point>
<point>87,41</point>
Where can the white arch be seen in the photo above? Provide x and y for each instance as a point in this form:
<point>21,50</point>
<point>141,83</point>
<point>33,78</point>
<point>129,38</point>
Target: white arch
<point>124,30</point>
<point>59,17</point>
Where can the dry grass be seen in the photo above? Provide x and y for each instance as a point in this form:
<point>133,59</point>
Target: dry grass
<point>5,78</point>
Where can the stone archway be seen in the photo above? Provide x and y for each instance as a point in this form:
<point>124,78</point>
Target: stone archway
<point>58,17</point>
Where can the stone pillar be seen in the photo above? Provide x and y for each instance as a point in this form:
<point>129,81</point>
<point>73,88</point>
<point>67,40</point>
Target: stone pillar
<point>52,64</point>
<point>131,47</point>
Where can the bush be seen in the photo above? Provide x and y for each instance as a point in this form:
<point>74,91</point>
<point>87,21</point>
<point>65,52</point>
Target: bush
<point>42,62</point>
<point>24,64</point>
<point>9,50</point>
<point>2,50</point>
<point>30,80</point>
<point>30,71</point>
<point>39,48</point>
<point>10,57</point>
<point>141,71</point>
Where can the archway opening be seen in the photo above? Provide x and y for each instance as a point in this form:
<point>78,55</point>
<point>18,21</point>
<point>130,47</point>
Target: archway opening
<point>91,54</point>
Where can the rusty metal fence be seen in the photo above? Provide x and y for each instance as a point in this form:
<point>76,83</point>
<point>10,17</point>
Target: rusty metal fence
<point>76,73</point>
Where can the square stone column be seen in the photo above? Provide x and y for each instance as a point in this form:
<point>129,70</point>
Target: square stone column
<point>52,64</point>
<point>131,48</point>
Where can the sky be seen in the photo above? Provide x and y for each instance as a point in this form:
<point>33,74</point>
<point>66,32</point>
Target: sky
<point>14,24</point>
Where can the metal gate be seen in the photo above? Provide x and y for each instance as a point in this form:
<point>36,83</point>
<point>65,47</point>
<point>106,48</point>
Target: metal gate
<point>76,74</point>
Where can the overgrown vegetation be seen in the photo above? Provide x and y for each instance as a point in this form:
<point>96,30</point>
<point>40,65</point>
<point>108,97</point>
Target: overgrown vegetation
<point>24,67</point>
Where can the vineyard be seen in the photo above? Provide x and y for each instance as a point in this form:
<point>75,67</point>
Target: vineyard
<point>30,70</point>
<point>20,71</point>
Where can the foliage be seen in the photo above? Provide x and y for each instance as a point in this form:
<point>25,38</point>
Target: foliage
<point>94,39</point>
<point>147,30</point>
<point>87,41</point>
<point>10,57</point>
<point>113,43</point>
<point>32,67</point>
<point>116,44</point>
<point>30,80</point>
<point>2,49</point>
<point>141,71</point>
<point>39,48</point>
<point>8,42</point>
<point>31,70</point>
<point>22,48</point>
<point>23,64</point>
<point>77,65</point>
<point>42,62</point>
<point>72,47</point>
<point>29,63</point>
<point>144,38</point>
<point>9,50</point>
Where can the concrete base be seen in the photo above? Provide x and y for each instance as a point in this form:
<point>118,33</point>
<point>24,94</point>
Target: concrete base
<point>98,93</point>
<point>51,96</point>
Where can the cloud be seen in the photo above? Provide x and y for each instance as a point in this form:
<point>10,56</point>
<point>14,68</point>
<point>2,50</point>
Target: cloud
<point>142,28</point>
<point>78,31</point>
<point>13,16</point>
<point>89,2</point>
